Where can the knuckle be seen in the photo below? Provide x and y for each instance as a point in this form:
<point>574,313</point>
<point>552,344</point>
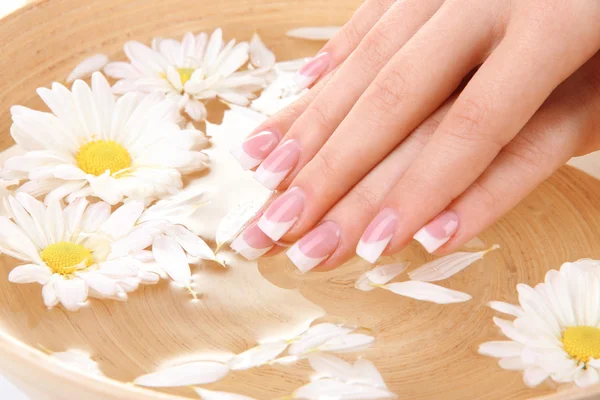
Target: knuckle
<point>318,116</point>
<point>388,91</point>
<point>327,165</point>
<point>364,199</point>
<point>352,35</point>
<point>376,47</point>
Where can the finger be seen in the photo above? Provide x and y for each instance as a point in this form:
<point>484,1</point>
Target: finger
<point>267,135</point>
<point>566,125</point>
<point>314,127</point>
<point>405,92</point>
<point>491,110</point>
<point>334,240</point>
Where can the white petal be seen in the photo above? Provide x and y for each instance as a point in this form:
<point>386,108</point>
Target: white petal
<point>195,109</point>
<point>13,237</point>
<point>122,220</point>
<point>382,274</point>
<point>206,394</point>
<point>347,343</point>
<point>30,273</point>
<point>319,33</point>
<point>172,259</point>
<point>506,308</point>
<point>121,70</point>
<point>364,372</point>
<point>257,356</point>
<point>329,366</point>
<point>260,55</point>
<point>94,216</point>
<point>77,360</point>
<point>427,292</point>
<point>534,376</point>
<point>501,349</point>
<point>587,377</point>
<point>72,293</point>
<point>233,222</point>
<point>237,57</point>
<point>107,188</point>
<point>191,243</point>
<point>511,363</point>
<point>49,292</point>
<point>363,283</point>
<point>214,46</point>
<point>317,335</point>
<point>332,389</point>
<point>509,330</point>
<point>594,363</point>
<point>192,373</point>
<point>88,66</point>
<point>102,284</point>
<point>445,267</point>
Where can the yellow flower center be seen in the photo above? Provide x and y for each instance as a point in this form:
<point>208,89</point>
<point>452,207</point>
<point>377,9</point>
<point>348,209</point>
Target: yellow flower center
<point>63,257</point>
<point>582,342</point>
<point>185,74</point>
<point>100,155</point>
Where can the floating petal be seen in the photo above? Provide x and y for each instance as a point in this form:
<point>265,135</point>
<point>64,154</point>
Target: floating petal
<point>88,66</point>
<point>427,292</point>
<point>257,356</point>
<point>192,373</point>
<point>318,33</point>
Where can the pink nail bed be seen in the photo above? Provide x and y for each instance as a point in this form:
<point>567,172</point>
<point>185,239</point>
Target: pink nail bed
<point>283,213</point>
<point>278,164</point>
<point>311,71</point>
<point>255,149</point>
<point>378,235</point>
<point>436,233</point>
<point>252,243</point>
<point>315,247</point>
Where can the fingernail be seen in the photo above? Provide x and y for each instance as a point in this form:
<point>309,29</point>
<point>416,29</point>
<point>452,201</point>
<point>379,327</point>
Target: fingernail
<point>433,235</point>
<point>282,214</point>
<point>377,235</point>
<point>278,164</point>
<point>255,149</point>
<point>252,243</point>
<point>315,247</point>
<point>312,70</point>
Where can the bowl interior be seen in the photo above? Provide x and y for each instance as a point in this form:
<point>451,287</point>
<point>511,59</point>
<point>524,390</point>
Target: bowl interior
<point>423,350</point>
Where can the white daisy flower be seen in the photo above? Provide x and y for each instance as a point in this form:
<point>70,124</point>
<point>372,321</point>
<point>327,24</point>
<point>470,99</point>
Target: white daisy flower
<point>92,145</point>
<point>556,332</point>
<point>69,250</point>
<point>190,72</point>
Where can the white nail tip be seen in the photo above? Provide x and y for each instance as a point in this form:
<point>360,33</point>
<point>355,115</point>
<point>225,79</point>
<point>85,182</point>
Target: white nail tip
<point>269,179</point>
<point>372,251</point>
<point>303,262</point>
<point>275,230</point>
<point>429,242</point>
<point>240,246</point>
<point>303,81</point>
<point>243,158</point>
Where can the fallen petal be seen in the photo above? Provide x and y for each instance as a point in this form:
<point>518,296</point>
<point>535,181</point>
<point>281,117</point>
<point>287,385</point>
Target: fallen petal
<point>206,394</point>
<point>320,33</point>
<point>317,335</point>
<point>257,356</point>
<point>427,292</point>
<point>235,220</point>
<point>445,267</point>
<point>382,274</point>
<point>329,366</point>
<point>365,372</point>
<point>260,55</point>
<point>501,349</point>
<point>334,389</point>
<point>192,373</point>
<point>88,66</point>
<point>347,343</point>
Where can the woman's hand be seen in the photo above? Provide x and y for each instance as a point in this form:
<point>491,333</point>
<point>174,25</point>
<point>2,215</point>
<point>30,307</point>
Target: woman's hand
<point>353,160</point>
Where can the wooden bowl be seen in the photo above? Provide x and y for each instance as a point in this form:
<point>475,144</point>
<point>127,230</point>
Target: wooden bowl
<point>424,351</point>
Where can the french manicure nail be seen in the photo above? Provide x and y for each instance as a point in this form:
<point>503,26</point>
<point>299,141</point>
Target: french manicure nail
<point>378,235</point>
<point>255,149</point>
<point>315,247</point>
<point>252,243</point>
<point>282,214</point>
<point>311,71</point>
<point>436,233</point>
<point>278,164</point>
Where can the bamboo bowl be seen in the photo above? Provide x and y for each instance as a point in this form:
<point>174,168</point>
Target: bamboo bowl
<point>424,351</point>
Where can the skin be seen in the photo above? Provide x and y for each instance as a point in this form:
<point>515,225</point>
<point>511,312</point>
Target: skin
<point>456,105</point>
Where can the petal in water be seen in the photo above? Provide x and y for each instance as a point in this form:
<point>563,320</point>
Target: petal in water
<point>192,373</point>
<point>317,335</point>
<point>329,366</point>
<point>334,389</point>
<point>365,373</point>
<point>382,274</point>
<point>427,292</point>
<point>318,33</point>
<point>347,343</point>
<point>235,220</point>
<point>171,257</point>
<point>260,55</point>
<point>445,267</point>
<point>256,356</point>
<point>212,395</point>
<point>88,66</point>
